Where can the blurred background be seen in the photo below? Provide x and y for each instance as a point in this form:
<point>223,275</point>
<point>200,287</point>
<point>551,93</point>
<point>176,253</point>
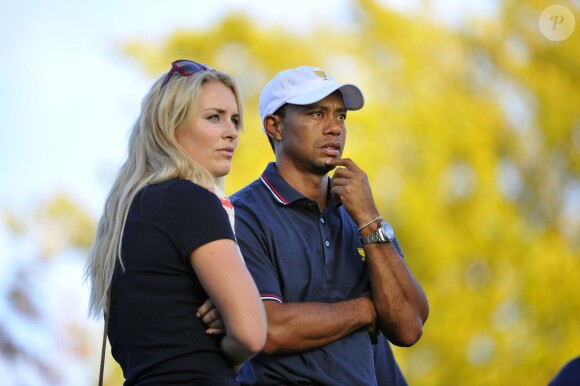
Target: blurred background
<point>470,136</point>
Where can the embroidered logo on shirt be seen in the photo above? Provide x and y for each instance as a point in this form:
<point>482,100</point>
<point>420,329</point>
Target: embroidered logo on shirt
<point>361,252</point>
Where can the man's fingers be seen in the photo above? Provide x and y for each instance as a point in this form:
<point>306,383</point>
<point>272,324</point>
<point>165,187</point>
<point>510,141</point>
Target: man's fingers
<point>345,162</point>
<point>341,172</point>
<point>341,176</point>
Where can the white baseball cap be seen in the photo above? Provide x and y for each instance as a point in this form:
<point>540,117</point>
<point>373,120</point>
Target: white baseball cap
<point>305,85</point>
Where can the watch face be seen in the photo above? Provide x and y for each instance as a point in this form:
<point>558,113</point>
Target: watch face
<point>384,234</point>
<point>387,230</point>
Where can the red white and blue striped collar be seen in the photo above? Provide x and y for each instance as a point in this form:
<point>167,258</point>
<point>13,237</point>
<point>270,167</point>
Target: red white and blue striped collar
<point>281,191</point>
<point>277,196</point>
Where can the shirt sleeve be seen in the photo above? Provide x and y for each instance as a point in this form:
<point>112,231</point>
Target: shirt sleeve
<point>398,247</point>
<point>256,251</point>
<point>386,368</point>
<point>194,217</point>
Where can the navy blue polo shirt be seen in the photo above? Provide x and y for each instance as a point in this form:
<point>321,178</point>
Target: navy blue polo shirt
<point>298,254</point>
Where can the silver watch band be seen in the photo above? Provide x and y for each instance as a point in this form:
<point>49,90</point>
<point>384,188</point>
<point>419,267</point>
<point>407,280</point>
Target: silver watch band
<point>384,234</point>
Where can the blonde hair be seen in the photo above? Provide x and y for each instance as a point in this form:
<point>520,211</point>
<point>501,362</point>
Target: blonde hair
<point>154,156</point>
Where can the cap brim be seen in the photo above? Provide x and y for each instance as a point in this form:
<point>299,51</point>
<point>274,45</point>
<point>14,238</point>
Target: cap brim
<point>351,94</point>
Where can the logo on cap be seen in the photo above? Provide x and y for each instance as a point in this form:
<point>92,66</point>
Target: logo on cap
<point>321,74</point>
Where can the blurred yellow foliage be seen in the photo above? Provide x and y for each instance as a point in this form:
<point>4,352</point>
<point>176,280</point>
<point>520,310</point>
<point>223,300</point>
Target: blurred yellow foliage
<point>471,140</point>
<point>63,223</point>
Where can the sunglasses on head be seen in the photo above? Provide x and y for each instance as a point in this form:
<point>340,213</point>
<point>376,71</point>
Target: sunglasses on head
<point>185,68</point>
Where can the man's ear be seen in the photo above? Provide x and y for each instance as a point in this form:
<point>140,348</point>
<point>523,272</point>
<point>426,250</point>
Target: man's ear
<point>273,127</point>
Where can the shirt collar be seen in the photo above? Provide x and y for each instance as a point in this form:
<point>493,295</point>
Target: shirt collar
<point>281,191</point>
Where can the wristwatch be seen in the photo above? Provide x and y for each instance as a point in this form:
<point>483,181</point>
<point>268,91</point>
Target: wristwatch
<point>384,234</point>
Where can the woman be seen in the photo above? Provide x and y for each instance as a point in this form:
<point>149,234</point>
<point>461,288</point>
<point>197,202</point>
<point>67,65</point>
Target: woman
<point>165,252</point>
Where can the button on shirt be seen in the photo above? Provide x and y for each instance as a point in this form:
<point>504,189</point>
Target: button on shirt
<point>298,254</point>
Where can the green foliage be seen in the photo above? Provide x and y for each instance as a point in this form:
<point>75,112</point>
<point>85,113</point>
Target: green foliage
<point>471,141</point>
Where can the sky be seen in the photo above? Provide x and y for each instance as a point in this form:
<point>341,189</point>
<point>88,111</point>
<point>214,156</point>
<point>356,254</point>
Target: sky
<point>68,96</point>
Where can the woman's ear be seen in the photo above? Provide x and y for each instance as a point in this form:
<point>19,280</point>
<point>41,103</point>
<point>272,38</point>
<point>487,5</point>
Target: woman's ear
<point>273,127</point>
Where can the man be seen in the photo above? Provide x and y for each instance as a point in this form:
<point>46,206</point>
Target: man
<point>328,295</point>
